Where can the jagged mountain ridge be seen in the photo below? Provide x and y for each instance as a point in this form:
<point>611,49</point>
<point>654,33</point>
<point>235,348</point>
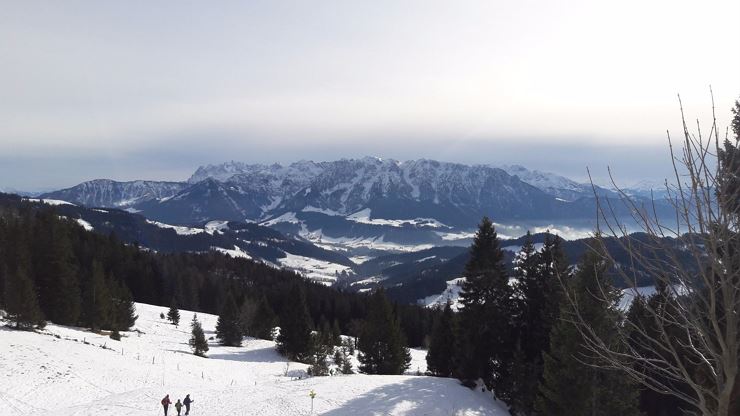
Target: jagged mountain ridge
<point>113,194</point>
<point>451,193</point>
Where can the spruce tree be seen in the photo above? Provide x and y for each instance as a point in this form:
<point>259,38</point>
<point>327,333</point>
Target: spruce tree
<point>173,315</point>
<point>228,329</point>
<point>264,321</point>
<point>641,315</point>
<point>294,340</point>
<point>123,309</point>
<point>96,298</point>
<point>319,352</point>
<point>485,335</point>
<point>61,294</point>
<point>537,294</point>
<point>441,354</point>
<point>197,338</point>
<point>21,302</point>
<point>573,383</point>
<point>382,344</point>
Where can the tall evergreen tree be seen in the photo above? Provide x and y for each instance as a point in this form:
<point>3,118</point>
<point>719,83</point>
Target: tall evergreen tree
<point>123,309</point>
<point>96,298</point>
<point>173,315</point>
<point>485,342</point>
<point>294,340</point>
<point>197,338</point>
<point>382,344</point>
<point>641,314</point>
<point>265,320</point>
<point>537,297</point>
<point>228,329</point>
<point>61,292</point>
<point>573,384</point>
<point>21,300</point>
<point>441,354</point>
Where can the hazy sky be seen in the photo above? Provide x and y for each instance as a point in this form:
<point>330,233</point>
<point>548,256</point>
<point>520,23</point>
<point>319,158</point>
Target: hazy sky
<point>151,90</point>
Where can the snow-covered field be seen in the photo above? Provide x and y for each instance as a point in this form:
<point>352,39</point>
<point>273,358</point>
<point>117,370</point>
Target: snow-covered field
<point>70,371</point>
<point>450,294</point>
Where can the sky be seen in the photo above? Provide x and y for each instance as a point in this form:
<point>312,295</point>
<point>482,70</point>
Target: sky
<point>152,90</point>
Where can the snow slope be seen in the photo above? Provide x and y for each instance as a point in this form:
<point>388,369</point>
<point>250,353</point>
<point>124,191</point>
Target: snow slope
<point>66,371</point>
<point>450,294</point>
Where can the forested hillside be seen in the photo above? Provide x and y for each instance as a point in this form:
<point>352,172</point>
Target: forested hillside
<point>66,268</point>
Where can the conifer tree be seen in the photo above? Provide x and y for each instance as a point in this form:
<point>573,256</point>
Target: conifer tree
<point>382,344</point>
<point>441,354</point>
<point>228,330</point>
<point>123,309</point>
<point>61,294</point>
<point>485,336</point>
<point>573,384</point>
<point>21,300</point>
<point>336,334</point>
<point>264,321</point>
<point>247,312</point>
<point>641,314</point>
<point>97,303</point>
<point>173,315</point>
<point>197,338</point>
<point>536,299</point>
<point>319,352</point>
<point>294,340</point>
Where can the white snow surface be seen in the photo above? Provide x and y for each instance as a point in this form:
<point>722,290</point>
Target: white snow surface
<point>49,201</point>
<point>55,373</point>
<point>450,294</point>
<point>86,225</point>
<point>364,217</point>
<point>235,252</point>
<point>318,270</point>
<point>180,230</point>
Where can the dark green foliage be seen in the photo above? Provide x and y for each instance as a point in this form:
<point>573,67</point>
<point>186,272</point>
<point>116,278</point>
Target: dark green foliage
<point>294,340</point>
<point>115,335</point>
<point>485,343</point>
<point>197,338</point>
<point>59,289</point>
<point>441,354</point>
<point>228,328</point>
<point>320,349</point>
<point>96,299</point>
<point>173,314</point>
<point>537,294</point>
<point>342,361</point>
<point>382,344</point>
<point>21,303</point>
<point>28,231</point>
<point>336,334</point>
<point>641,316</point>
<point>123,311</point>
<point>264,320</point>
<point>573,384</point>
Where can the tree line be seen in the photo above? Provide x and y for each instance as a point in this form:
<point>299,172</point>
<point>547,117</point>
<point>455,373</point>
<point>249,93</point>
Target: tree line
<point>51,269</point>
<point>515,335</point>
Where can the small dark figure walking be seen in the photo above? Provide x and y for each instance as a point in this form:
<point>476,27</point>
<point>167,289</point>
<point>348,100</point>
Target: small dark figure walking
<point>178,406</point>
<point>166,403</point>
<point>187,402</point>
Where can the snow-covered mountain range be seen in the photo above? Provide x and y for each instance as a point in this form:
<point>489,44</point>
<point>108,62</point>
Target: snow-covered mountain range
<point>356,205</point>
<point>452,193</point>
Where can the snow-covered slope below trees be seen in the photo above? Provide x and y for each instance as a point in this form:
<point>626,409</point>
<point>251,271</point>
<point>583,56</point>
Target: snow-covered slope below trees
<point>68,371</point>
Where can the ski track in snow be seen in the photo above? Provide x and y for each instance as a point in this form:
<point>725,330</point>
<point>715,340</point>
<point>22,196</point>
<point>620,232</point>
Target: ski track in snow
<point>41,374</point>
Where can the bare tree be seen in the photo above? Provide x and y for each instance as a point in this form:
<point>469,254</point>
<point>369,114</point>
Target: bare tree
<point>690,344</point>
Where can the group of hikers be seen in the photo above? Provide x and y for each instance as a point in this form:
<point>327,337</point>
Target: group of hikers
<point>166,402</point>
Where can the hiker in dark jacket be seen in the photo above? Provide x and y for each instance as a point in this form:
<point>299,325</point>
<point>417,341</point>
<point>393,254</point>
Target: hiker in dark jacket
<point>166,403</point>
<point>187,402</point>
